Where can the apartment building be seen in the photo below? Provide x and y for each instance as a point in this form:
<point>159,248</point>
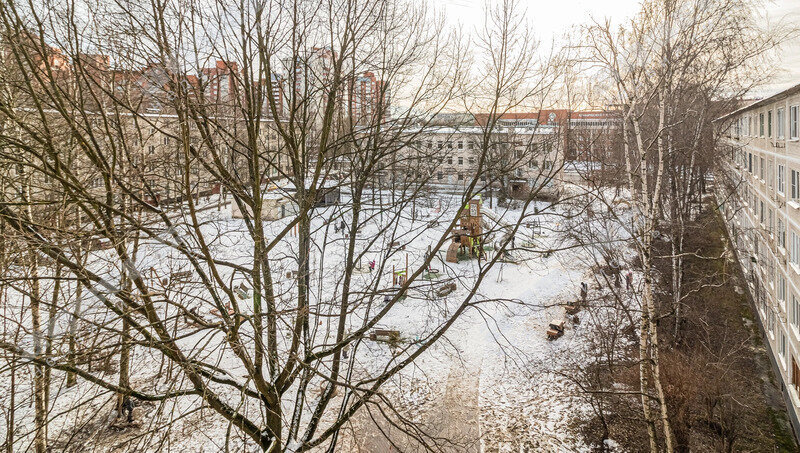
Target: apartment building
<point>369,99</point>
<point>587,135</point>
<point>762,141</point>
<point>222,81</point>
<point>156,152</point>
<point>518,159</point>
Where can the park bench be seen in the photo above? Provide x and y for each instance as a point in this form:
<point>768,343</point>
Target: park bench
<point>385,335</point>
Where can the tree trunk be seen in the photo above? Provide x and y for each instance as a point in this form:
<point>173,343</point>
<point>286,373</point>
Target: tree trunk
<point>39,392</point>
<point>73,331</point>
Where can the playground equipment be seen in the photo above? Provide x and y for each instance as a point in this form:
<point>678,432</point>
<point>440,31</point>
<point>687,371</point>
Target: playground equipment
<point>467,238</point>
<point>243,291</point>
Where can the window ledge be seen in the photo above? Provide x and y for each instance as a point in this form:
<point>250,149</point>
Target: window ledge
<point>781,250</point>
<point>793,204</point>
<point>795,268</point>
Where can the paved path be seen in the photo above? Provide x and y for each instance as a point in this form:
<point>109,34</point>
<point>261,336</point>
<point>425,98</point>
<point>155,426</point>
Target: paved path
<point>454,422</point>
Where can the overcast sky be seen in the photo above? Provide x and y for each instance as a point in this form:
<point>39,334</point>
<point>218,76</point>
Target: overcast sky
<point>553,18</point>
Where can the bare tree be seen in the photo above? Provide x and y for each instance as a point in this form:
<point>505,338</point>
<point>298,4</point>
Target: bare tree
<point>260,321</point>
<point>670,68</point>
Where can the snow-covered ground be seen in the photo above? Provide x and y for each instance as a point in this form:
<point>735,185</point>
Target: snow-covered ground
<point>493,382</point>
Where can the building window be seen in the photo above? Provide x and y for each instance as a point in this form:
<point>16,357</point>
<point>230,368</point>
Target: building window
<point>771,173</point>
<point>761,168</point>
<point>460,144</point>
<point>460,177</point>
<point>781,233</point>
<point>450,160</point>
<point>781,179</point>
<point>761,212</point>
<point>793,121</point>
<point>770,223</point>
<point>760,124</point>
<point>780,119</point>
<point>795,312</point>
<point>795,185</point>
<point>769,124</point>
<point>783,344</point>
<point>460,161</point>
<point>439,176</point>
<point>471,160</point>
<point>782,288</point>
<point>151,149</point>
<point>771,323</point>
<point>794,253</point>
<point>750,162</point>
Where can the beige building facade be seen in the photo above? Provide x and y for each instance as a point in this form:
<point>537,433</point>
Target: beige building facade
<point>762,140</point>
<point>520,159</point>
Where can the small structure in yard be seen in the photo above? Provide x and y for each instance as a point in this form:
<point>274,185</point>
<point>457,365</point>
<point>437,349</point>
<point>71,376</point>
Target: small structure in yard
<point>327,196</point>
<point>467,238</point>
<point>571,309</point>
<point>555,329</point>
<point>273,207</point>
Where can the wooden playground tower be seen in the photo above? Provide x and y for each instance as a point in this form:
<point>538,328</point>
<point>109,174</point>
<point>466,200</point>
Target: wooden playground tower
<point>467,237</point>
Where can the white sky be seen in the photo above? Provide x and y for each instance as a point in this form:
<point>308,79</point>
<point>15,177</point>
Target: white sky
<point>787,10</point>
<point>553,18</point>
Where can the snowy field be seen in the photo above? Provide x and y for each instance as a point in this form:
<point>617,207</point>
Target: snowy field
<point>493,383</point>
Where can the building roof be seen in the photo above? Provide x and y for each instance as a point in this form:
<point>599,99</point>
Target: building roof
<point>543,129</point>
<point>762,102</point>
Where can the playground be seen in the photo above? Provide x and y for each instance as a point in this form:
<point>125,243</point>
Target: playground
<point>494,375</point>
